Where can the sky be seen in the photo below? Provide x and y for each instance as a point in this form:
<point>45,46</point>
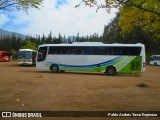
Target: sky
<point>57,16</point>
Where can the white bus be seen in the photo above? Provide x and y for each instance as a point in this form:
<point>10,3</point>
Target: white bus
<point>27,57</point>
<point>92,57</point>
<point>155,60</point>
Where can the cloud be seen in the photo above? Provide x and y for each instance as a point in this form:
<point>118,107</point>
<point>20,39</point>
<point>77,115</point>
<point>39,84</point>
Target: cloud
<point>61,16</point>
<point>3,20</point>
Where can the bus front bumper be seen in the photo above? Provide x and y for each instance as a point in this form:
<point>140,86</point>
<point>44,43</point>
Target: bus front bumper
<point>25,62</point>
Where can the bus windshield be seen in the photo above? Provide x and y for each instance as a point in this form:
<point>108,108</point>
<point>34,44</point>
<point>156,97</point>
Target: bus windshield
<point>24,55</point>
<point>42,53</point>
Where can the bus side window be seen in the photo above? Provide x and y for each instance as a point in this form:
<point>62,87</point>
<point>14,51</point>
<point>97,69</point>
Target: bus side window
<point>79,51</point>
<point>154,58</point>
<point>151,58</point>
<point>40,55</point>
<point>88,51</point>
<point>82,51</point>
<point>112,51</point>
<point>98,51</point>
<point>64,50</point>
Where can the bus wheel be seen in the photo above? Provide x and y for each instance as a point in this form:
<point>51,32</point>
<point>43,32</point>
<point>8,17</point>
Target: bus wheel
<point>155,64</point>
<point>54,68</point>
<point>111,70</point>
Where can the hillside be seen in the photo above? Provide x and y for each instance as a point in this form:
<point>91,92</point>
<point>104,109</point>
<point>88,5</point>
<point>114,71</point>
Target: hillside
<point>8,33</point>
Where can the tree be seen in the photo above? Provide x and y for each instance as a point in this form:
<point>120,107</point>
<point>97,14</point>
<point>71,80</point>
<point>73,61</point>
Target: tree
<point>108,4</point>
<point>59,40</point>
<point>10,5</point>
<point>49,38</point>
<point>146,5</point>
<point>144,14</point>
<point>29,45</point>
<point>14,53</point>
<point>146,17</point>
<point>43,39</point>
<point>77,37</point>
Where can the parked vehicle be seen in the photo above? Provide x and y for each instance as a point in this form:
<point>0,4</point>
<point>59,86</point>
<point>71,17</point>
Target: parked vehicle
<point>5,56</point>
<point>155,60</point>
<point>27,57</point>
<point>92,57</point>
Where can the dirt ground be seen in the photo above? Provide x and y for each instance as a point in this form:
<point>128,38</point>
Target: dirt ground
<point>37,90</point>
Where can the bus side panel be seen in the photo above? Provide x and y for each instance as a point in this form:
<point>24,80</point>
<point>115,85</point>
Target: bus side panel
<point>134,66</point>
<point>43,66</point>
<point>92,63</point>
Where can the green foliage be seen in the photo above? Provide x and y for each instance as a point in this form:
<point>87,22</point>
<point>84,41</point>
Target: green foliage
<point>29,45</point>
<point>108,4</point>
<point>134,14</point>
<point>30,3</point>
<point>10,5</point>
<point>15,43</point>
<point>9,43</point>
<point>141,14</point>
<point>14,53</point>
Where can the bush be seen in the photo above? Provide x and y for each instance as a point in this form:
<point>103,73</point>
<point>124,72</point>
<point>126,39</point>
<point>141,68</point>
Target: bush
<point>142,85</point>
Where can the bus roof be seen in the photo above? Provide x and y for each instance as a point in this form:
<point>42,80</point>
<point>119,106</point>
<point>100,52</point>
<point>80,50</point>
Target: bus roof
<point>155,56</point>
<point>4,51</point>
<point>94,44</point>
<point>26,50</point>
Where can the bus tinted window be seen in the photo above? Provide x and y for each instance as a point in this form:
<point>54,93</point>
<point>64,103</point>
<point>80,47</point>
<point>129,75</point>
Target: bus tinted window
<point>129,50</point>
<point>42,53</point>
<point>100,50</point>
<point>66,50</point>
<point>153,58</point>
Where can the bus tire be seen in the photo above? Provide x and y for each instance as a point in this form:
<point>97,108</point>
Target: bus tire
<point>111,70</point>
<point>54,68</point>
<point>155,63</point>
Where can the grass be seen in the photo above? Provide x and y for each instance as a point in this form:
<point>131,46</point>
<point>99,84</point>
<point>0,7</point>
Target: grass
<point>142,85</point>
<point>40,76</point>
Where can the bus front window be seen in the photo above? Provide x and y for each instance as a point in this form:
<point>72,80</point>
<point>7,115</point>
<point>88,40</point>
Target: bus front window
<point>42,53</point>
<point>25,55</point>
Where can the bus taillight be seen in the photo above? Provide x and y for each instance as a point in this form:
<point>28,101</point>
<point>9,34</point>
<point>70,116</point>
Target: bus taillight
<point>144,64</point>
